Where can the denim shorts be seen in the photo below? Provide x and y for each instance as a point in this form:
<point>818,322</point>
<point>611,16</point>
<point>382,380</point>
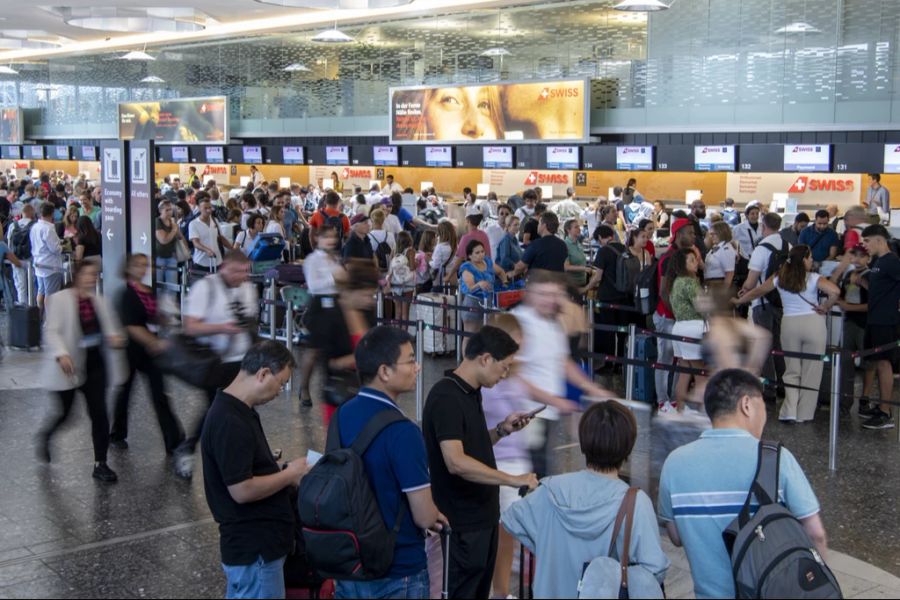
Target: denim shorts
<point>257,580</point>
<point>50,284</point>
<point>410,586</point>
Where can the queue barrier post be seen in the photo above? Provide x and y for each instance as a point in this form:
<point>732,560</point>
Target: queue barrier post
<point>420,376</point>
<point>99,284</point>
<point>379,304</point>
<point>459,325</point>
<point>29,284</point>
<point>485,304</point>
<point>289,335</point>
<point>835,409</point>
<point>590,336</point>
<point>629,368</point>
<point>182,282</point>
<point>273,288</point>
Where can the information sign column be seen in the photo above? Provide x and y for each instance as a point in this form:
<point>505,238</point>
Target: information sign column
<point>140,207</point>
<point>114,226</point>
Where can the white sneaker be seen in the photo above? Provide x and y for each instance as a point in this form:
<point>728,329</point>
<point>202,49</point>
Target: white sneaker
<point>667,409</point>
<point>184,464</point>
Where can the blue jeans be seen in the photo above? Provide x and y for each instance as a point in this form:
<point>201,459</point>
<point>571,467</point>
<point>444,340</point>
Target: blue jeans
<point>167,275</point>
<point>411,586</point>
<point>257,580</point>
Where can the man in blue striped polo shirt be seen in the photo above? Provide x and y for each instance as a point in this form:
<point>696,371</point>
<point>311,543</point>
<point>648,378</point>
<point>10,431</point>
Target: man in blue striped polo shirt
<point>704,484</point>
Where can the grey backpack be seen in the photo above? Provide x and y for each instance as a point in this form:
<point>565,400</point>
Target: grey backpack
<point>612,577</point>
<point>771,554</point>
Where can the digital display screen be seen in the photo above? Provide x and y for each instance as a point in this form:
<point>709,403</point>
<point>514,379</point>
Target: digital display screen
<point>385,156</point>
<point>253,155</point>
<point>892,158</point>
<point>497,157</point>
<point>214,154</point>
<point>60,152</point>
<point>337,155</point>
<point>714,158</point>
<point>35,152</point>
<point>562,157</point>
<point>292,155</point>
<point>180,154</point>
<point>634,158</point>
<point>88,153</point>
<point>807,157</point>
<point>195,120</point>
<point>438,156</point>
<point>14,152</point>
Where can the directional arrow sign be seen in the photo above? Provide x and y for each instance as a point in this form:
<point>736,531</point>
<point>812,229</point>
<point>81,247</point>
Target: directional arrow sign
<point>109,234</point>
<point>144,239</point>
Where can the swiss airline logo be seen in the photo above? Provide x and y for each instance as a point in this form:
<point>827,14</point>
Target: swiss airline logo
<point>817,184</point>
<point>549,93</point>
<point>214,170</point>
<point>348,173</point>
<point>535,178</point>
<point>896,150</point>
<point>641,150</point>
<point>715,150</point>
<point>806,149</point>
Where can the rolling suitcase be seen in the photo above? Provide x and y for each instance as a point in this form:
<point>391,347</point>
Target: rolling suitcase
<point>444,316</point>
<point>24,327</point>
<point>644,382</point>
<point>269,247</point>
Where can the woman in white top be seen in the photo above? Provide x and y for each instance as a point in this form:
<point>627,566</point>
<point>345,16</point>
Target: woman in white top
<point>721,258</point>
<point>246,240</point>
<point>443,252</point>
<point>802,329</point>
<point>661,216</point>
<point>276,221</point>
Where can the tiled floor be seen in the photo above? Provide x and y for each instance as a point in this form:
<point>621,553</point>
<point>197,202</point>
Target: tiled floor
<point>64,535</point>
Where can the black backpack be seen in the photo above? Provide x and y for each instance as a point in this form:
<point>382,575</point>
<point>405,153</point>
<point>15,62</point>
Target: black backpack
<point>345,535</point>
<point>382,252</point>
<point>646,289</point>
<point>771,554</point>
<point>777,258</point>
<point>336,221</point>
<point>21,240</point>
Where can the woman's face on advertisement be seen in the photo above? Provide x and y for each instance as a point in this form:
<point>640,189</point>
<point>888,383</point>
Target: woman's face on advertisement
<point>460,111</point>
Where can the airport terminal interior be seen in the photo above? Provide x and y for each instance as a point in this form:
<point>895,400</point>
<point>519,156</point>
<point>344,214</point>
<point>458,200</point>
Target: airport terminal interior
<point>625,239</point>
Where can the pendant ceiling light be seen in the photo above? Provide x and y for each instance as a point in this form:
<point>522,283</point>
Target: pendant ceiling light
<point>332,36</point>
<point>641,5</point>
<point>296,68</point>
<point>4,70</point>
<point>336,4</point>
<point>496,52</point>
<point>135,20</point>
<point>136,55</point>
<point>153,79</point>
<point>798,27</point>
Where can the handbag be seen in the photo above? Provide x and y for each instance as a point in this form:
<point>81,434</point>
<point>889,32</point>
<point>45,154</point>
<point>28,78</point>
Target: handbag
<point>182,252</point>
<point>190,360</point>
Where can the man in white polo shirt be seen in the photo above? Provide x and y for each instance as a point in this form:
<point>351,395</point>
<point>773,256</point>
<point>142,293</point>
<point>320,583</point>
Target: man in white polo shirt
<point>204,234</point>
<point>46,254</point>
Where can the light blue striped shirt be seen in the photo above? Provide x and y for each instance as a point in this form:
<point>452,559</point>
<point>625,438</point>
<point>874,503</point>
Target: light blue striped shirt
<point>702,489</point>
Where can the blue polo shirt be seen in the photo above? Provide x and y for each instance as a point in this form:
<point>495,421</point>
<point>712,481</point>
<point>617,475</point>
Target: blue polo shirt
<point>703,487</point>
<point>820,246</point>
<point>404,216</point>
<point>396,464</point>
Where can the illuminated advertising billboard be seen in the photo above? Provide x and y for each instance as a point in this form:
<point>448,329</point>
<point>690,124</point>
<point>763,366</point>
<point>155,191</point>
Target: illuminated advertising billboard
<point>713,158</point>
<point>532,112</point>
<point>197,120</point>
<point>634,158</point>
<point>11,126</point>
<point>807,157</point>
<point>497,157</point>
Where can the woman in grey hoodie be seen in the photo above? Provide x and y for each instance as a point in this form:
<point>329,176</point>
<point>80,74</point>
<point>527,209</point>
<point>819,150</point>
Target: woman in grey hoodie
<point>568,520</point>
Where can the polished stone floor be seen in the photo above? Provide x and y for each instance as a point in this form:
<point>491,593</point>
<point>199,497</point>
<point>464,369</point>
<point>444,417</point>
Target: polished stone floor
<point>64,535</point>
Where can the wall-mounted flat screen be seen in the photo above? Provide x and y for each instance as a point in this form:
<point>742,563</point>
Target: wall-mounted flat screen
<point>892,158</point>
<point>35,152</point>
<point>438,156</point>
<point>385,156</point>
<point>11,126</point>
<point>214,154</point>
<point>196,120</point>
<point>88,153</point>
<point>180,154</point>
<point>807,157</point>
<point>11,152</point>
<point>337,155</point>
<point>59,153</point>
<point>292,155</point>
<point>497,157</point>
<point>634,158</point>
<point>714,158</point>
<point>562,157</point>
<point>253,155</point>
<point>531,112</point>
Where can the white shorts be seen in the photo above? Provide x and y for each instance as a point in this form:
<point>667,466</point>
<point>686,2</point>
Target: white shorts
<point>516,466</point>
<point>691,329</point>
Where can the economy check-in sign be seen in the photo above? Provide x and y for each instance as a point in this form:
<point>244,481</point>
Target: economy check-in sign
<point>114,224</point>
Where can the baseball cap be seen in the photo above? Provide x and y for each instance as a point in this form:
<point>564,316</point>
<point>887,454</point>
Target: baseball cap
<point>860,249</point>
<point>751,204</point>
<point>359,219</point>
<point>678,224</point>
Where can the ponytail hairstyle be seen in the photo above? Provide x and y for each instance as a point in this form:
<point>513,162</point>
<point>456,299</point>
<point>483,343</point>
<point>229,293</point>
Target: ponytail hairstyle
<point>793,274</point>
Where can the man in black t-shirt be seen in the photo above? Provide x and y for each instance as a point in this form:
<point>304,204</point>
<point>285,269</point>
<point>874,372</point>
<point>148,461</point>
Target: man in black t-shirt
<point>357,245</point>
<point>606,261</point>
<point>464,476</point>
<point>854,301</point>
<point>883,283</point>
<point>246,489</point>
<point>548,253</point>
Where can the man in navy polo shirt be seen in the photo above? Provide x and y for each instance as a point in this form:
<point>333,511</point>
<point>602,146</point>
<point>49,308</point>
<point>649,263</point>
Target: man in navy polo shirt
<point>396,463</point>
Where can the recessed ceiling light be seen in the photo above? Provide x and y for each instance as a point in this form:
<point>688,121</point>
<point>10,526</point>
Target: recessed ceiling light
<point>496,52</point>
<point>798,27</point>
<point>153,79</point>
<point>136,55</point>
<point>641,5</point>
<point>135,20</point>
<point>296,67</point>
<point>332,36</point>
<point>4,70</point>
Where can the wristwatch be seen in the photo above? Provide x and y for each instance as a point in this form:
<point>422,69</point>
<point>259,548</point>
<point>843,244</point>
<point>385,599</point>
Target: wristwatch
<point>501,433</point>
